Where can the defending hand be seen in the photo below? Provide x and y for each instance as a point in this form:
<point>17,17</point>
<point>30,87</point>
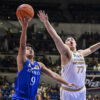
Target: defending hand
<point>43,16</point>
<point>72,84</point>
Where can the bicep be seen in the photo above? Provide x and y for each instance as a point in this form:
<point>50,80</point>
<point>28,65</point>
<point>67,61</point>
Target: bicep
<point>21,53</point>
<point>85,52</point>
<point>60,45</point>
<point>21,59</point>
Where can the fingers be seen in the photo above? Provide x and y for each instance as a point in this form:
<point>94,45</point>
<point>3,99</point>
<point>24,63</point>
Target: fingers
<point>23,21</point>
<point>41,13</point>
<point>20,20</point>
<point>72,84</point>
<point>38,15</point>
<point>75,85</point>
<point>26,19</point>
<point>47,15</point>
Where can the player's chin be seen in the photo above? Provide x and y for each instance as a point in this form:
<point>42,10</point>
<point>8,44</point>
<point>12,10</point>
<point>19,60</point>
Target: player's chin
<point>72,46</point>
<point>29,56</point>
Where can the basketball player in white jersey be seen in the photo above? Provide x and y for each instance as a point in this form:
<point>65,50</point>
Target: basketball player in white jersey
<point>72,62</point>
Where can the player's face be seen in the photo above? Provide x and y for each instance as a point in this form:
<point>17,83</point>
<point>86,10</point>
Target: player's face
<point>29,52</point>
<point>70,41</point>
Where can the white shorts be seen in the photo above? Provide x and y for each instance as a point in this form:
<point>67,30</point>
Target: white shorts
<point>70,95</point>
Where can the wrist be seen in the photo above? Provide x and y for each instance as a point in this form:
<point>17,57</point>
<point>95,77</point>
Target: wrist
<point>24,27</point>
<point>46,21</point>
<point>67,84</point>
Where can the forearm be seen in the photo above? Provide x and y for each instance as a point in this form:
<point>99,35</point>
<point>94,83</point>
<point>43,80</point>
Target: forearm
<point>60,79</point>
<point>51,31</point>
<point>23,38</point>
<point>94,47</point>
<point>52,74</point>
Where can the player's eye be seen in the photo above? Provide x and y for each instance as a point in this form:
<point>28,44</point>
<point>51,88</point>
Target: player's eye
<point>27,48</point>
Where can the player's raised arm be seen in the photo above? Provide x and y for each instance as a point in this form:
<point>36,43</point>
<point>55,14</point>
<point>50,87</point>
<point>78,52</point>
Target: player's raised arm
<point>62,48</point>
<point>55,75</point>
<point>90,50</point>
<point>21,53</point>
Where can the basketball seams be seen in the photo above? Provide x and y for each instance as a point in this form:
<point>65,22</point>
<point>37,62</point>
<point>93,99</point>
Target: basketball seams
<point>30,15</point>
<point>21,13</point>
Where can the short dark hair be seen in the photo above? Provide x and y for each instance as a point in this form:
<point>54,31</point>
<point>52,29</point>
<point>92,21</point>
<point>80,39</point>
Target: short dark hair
<point>69,37</point>
<point>29,45</point>
<point>72,37</point>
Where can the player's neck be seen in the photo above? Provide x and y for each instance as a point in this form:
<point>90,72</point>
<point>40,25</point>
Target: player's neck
<point>73,50</point>
<point>31,60</point>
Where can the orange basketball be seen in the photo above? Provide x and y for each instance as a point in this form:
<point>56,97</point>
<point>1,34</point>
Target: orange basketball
<point>25,10</point>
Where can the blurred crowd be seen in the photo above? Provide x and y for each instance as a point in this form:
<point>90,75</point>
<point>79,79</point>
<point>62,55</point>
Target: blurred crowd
<point>6,89</point>
<point>8,63</point>
<point>48,92</point>
<point>84,13</point>
<point>93,97</point>
<point>92,39</point>
<point>42,42</point>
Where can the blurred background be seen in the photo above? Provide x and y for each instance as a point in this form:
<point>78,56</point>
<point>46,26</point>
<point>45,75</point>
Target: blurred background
<point>79,18</point>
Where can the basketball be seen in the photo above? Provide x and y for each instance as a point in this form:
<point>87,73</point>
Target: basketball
<point>25,10</point>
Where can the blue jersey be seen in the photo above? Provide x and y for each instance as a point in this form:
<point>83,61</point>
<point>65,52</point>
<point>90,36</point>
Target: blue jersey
<point>27,82</point>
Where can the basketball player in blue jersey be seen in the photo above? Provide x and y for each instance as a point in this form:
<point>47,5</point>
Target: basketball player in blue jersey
<point>29,71</point>
<point>72,62</point>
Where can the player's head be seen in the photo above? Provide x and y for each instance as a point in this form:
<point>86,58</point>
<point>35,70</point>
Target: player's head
<point>71,42</point>
<point>29,51</point>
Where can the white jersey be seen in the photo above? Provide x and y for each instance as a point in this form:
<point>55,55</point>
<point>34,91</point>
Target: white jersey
<point>75,71</point>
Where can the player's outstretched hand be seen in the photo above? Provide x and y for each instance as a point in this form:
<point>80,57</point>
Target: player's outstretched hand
<point>23,22</point>
<point>72,84</point>
<point>42,16</point>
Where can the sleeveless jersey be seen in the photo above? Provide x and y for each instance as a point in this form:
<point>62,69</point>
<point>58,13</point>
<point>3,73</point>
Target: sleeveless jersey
<point>75,71</point>
<point>27,82</point>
